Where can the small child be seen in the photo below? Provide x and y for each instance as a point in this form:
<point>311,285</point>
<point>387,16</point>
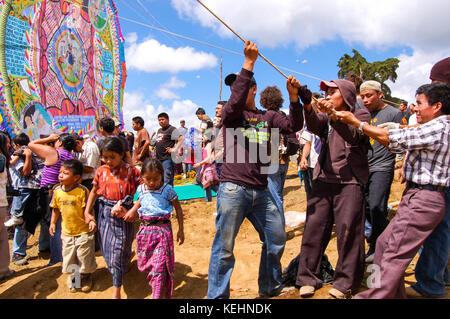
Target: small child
<point>78,241</point>
<point>26,171</point>
<point>208,173</point>
<point>114,185</point>
<point>154,240</point>
<point>26,177</point>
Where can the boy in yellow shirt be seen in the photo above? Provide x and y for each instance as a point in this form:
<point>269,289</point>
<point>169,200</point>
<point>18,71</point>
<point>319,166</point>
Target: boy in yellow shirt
<point>69,200</point>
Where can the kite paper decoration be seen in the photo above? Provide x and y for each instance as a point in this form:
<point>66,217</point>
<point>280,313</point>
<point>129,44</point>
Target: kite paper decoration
<point>62,65</point>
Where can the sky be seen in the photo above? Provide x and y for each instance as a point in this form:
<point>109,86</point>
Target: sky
<point>178,74</point>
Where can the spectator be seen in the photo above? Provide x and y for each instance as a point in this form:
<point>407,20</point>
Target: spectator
<point>272,100</point>
<point>168,142</point>
<point>182,129</point>
<point>108,128</point>
<point>405,110</point>
<point>218,137</point>
<point>53,157</point>
<point>141,142</point>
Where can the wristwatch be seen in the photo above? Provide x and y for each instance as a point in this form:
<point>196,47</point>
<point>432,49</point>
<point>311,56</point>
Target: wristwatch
<point>361,126</point>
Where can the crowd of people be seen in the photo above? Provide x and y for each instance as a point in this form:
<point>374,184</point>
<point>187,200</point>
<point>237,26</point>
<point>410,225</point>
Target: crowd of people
<point>86,194</point>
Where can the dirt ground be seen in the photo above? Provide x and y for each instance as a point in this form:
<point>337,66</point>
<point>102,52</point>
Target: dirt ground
<point>36,281</point>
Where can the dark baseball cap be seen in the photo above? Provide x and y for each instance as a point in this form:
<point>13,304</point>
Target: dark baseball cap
<point>441,71</point>
<point>230,78</point>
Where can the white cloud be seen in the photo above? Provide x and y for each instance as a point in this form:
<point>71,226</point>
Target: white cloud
<point>373,23</point>
<point>152,56</point>
<point>175,83</point>
<point>379,25</point>
<point>413,71</point>
<point>166,91</point>
<point>135,104</point>
<point>166,94</point>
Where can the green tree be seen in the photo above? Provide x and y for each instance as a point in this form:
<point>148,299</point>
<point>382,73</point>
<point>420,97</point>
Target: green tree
<point>380,71</point>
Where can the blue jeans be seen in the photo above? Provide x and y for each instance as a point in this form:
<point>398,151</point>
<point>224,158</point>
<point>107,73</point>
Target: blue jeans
<point>208,192</point>
<point>189,168</point>
<point>275,184</point>
<point>234,203</point>
<point>19,245</point>
<point>431,270</point>
<point>169,170</point>
<point>56,244</point>
<point>19,202</point>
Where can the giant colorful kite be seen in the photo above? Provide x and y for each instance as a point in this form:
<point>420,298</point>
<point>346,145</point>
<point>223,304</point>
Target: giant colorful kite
<point>62,65</point>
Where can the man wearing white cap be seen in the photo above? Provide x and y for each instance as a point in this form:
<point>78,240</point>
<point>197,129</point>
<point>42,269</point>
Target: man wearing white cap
<point>381,162</point>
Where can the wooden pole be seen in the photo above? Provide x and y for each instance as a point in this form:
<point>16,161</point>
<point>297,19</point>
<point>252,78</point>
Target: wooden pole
<point>226,25</point>
<point>221,76</point>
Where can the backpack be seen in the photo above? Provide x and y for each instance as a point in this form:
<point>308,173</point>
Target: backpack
<point>289,275</point>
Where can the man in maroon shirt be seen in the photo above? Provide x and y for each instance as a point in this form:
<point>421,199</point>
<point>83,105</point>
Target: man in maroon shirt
<point>243,193</point>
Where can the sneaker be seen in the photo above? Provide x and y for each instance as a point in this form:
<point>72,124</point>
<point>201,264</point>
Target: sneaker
<point>86,283</point>
<point>14,221</point>
<point>19,260</point>
<point>307,291</point>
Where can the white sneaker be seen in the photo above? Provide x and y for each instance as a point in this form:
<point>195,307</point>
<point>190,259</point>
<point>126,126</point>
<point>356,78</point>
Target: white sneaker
<point>13,221</point>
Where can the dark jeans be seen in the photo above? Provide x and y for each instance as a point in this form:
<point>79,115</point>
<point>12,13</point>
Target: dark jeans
<point>307,176</point>
<point>377,192</point>
<point>55,241</point>
<point>169,170</point>
<point>219,169</point>
<point>208,192</point>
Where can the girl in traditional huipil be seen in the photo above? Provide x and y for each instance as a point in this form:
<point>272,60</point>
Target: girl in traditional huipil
<point>114,185</point>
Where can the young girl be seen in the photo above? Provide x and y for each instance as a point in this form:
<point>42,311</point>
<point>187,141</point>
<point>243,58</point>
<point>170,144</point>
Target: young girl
<point>114,184</point>
<point>154,241</point>
<point>208,174</point>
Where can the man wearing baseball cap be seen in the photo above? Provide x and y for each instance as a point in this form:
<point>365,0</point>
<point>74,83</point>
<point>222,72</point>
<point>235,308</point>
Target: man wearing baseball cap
<point>337,195</point>
<point>243,192</point>
<point>381,163</point>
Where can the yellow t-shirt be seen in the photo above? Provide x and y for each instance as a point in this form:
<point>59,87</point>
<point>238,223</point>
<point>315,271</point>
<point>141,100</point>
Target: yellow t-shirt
<point>71,204</point>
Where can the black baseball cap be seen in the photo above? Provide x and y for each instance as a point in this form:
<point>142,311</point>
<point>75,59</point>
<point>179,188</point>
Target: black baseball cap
<point>230,78</point>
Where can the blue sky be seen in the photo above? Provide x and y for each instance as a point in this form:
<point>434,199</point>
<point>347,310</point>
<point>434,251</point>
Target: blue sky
<point>175,75</point>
